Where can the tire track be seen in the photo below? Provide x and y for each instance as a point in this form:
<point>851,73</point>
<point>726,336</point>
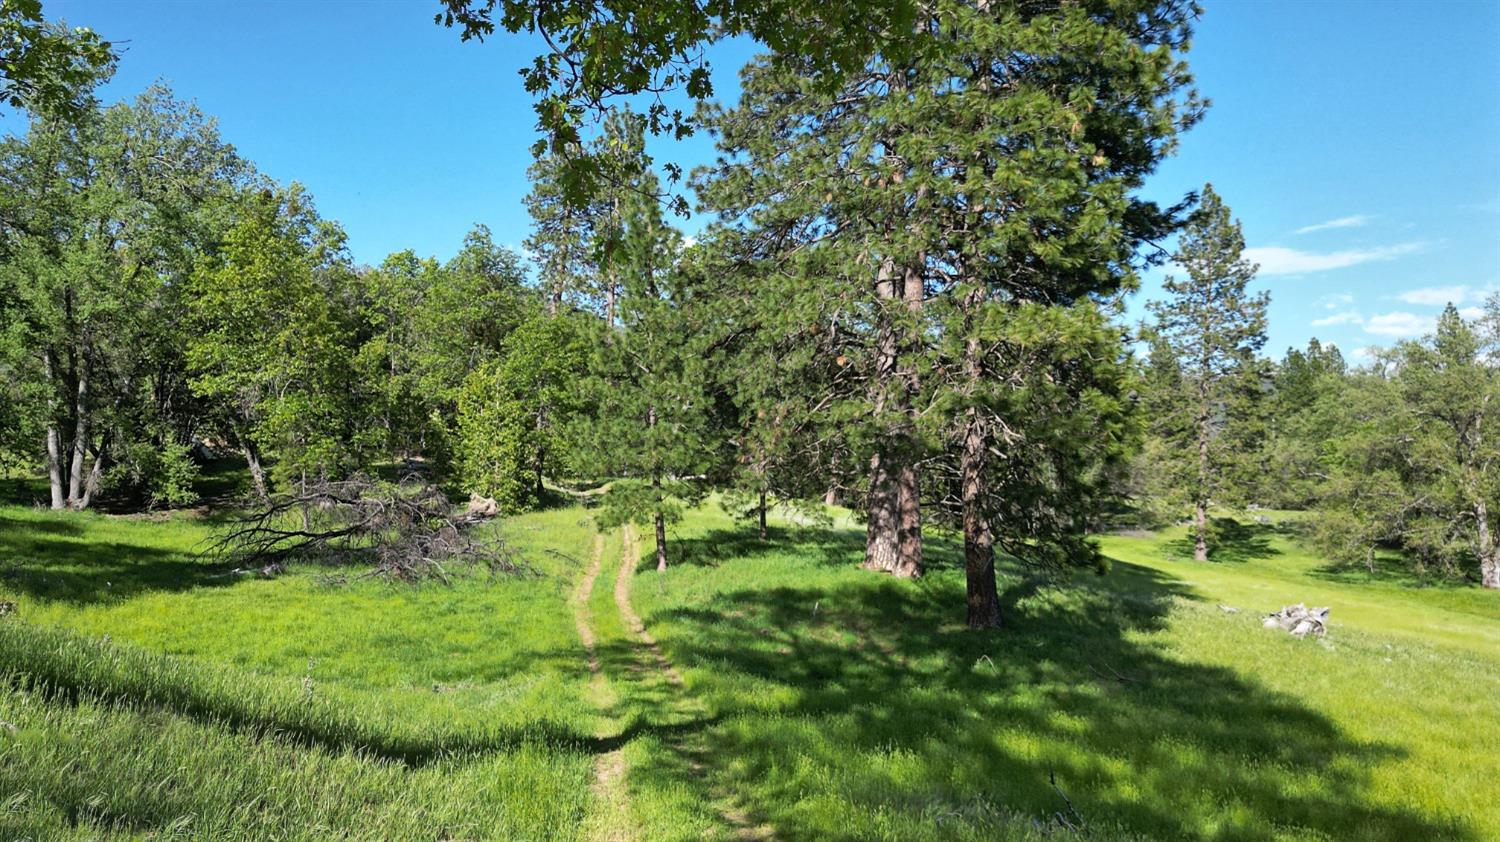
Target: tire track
<point>740,824</point>
<point>608,785</point>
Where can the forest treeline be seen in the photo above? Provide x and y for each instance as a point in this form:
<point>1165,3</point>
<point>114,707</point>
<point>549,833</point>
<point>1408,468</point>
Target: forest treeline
<point>909,301</point>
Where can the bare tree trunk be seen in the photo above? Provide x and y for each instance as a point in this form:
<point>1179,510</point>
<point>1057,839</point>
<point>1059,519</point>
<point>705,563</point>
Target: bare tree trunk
<point>54,439</point>
<point>609,302</point>
<point>257,470</point>
<point>761,511</point>
<point>909,487</point>
<point>1489,554</point>
<point>80,436</point>
<point>96,474</point>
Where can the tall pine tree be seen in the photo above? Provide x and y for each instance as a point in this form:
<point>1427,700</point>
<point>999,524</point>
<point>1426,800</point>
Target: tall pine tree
<point>1215,326</point>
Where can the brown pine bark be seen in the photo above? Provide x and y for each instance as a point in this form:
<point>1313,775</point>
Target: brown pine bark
<point>882,531</point>
<point>893,537</point>
<point>909,509</point>
<point>761,512</point>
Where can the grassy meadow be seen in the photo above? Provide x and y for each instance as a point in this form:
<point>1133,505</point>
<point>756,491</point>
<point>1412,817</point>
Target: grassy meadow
<point>787,694</point>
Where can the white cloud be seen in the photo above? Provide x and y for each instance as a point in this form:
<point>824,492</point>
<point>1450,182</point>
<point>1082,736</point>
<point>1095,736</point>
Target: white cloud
<point>1400,323</point>
<point>1342,222</point>
<point>1275,260</point>
<point>1363,355</point>
<point>1471,313</point>
<point>1438,296</point>
<point>1344,318</point>
<point>1333,301</point>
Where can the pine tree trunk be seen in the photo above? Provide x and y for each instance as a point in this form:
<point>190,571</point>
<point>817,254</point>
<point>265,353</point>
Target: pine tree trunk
<point>979,542</point>
<point>909,489</point>
<point>661,541</point>
<point>1200,502</point>
<point>80,437</point>
<point>909,507</point>
<point>761,511</point>
<point>1489,553</point>
<point>882,532</point>
<point>882,538</point>
<point>983,597</point>
<point>54,439</point>
<point>893,536</point>
<point>609,303</point>
<point>1200,530</point>
<point>831,496</point>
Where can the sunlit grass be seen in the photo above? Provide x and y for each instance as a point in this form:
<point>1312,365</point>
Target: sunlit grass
<point>149,693</point>
<point>848,705</point>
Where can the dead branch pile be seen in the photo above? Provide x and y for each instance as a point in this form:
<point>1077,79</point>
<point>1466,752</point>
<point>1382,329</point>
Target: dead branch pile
<point>406,530</point>
<point>1300,620</point>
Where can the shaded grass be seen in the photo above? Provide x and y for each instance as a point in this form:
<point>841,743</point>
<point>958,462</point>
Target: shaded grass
<point>148,697</point>
<point>848,705</point>
<point>820,700</point>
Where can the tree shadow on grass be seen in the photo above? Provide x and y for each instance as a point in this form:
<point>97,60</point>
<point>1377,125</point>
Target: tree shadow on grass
<point>873,684</point>
<point>51,560</point>
<point>1231,542</point>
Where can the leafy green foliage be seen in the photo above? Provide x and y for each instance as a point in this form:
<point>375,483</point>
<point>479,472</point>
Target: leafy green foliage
<point>517,414</point>
<point>103,220</point>
<point>270,347</point>
<point>46,67</point>
<point>1416,462</point>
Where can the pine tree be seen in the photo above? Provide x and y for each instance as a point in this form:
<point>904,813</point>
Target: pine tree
<point>1215,326</point>
<point>916,225</point>
<point>650,383</point>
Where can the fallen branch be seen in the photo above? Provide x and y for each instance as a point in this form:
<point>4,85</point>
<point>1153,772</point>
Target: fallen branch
<point>406,530</point>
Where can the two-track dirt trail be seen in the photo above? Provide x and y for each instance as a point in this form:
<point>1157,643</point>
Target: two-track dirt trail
<point>608,823</point>
<point>638,692</point>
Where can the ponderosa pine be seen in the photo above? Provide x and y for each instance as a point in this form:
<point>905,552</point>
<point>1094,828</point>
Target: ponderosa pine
<point>1215,326</point>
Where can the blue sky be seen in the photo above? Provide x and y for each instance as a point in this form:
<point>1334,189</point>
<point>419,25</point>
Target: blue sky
<point>1359,142</point>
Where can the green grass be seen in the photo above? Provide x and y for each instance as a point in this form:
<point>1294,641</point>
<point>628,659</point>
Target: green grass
<point>846,705</point>
<point>149,696</point>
